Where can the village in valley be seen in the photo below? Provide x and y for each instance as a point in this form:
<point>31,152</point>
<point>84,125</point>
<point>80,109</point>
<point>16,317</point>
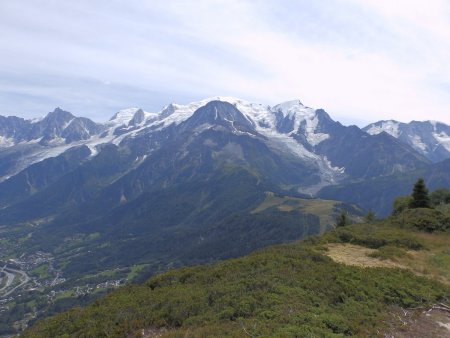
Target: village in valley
<point>31,283</point>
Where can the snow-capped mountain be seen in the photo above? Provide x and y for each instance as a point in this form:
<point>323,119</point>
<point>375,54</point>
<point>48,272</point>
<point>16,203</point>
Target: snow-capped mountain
<point>296,130</point>
<point>430,138</point>
<point>305,135</point>
<point>25,142</point>
<point>59,131</point>
<point>58,126</point>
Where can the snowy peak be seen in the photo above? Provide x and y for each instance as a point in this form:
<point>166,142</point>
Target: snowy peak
<point>430,138</point>
<point>57,127</point>
<point>177,113</point>
<point>290,108</point>
<point>52,125</point>
<point>124,116</point>
<point>291,114</point>
<point>391,127</point>
<point>58,116</point>
<point>138,118</point>
<point>223,114</point>
<point>61,127</point>
<point>293,118</point>
<point>290,118</point>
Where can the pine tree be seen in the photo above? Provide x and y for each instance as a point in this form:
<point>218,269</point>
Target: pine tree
<point>420,197</point>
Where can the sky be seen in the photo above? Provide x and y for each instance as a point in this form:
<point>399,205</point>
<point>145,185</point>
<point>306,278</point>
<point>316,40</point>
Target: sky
<point>360,60</point>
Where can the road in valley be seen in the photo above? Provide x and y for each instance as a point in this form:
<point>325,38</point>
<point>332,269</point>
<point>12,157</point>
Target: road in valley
<point>9,279</point>
<point>12,274</point>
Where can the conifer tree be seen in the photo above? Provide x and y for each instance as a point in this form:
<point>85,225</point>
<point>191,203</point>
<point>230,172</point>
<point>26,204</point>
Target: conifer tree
<point>420,197</point>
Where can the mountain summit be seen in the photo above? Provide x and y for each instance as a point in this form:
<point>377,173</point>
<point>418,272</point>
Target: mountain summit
<point>430,138</point>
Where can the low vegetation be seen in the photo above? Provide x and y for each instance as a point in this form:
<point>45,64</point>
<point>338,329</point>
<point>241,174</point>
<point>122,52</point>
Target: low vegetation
<point>288,290</point>
<point>352,281</point>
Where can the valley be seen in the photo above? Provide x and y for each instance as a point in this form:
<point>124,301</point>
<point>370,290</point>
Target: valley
<point>33,284</point>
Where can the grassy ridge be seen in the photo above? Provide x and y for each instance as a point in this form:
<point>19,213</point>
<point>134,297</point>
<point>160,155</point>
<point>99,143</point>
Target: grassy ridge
<point>287,290</point>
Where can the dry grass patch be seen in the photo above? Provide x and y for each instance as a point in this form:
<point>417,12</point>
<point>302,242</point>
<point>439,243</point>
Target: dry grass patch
<point>433,263</point>
<point>357,255</point>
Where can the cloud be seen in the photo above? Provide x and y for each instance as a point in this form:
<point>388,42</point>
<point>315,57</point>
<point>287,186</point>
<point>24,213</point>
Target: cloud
<point>360,60</point>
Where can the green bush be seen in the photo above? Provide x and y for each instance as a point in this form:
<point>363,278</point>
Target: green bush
<point>424,219</point>
<point>400,204</point>
<point>375,236</point>
<point>440,196</point>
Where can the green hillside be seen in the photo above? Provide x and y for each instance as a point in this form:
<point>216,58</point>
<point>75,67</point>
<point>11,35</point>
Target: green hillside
<point>225,218</point>
<point>358,280</point>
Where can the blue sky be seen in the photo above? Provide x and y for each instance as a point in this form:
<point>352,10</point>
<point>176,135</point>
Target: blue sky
<point>361,60</point>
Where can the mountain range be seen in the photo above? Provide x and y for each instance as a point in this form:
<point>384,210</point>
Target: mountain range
<point>191,184</point>
<point>174,175</point>
<point>307,149</point>
<point>294,148</point>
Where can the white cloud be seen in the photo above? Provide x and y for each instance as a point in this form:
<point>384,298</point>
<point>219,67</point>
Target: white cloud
<point>360,60</point>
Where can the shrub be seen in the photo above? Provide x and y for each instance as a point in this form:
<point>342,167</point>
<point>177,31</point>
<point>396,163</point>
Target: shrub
<point>440,196</point>
<point>425,219</point>
<point>400,204</point>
